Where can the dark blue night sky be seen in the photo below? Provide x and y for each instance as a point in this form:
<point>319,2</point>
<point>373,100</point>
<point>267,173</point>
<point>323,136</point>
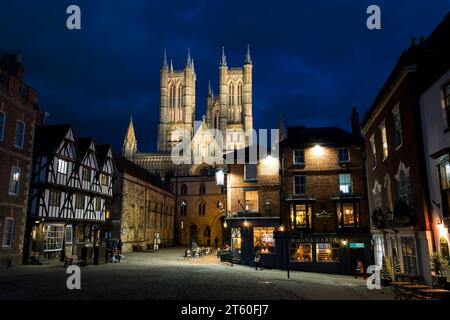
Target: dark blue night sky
<point>312,60</point>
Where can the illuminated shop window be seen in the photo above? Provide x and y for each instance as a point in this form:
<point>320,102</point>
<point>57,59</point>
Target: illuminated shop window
<point>327,252</point>
<point>263,238</point>
<point>301,252</point>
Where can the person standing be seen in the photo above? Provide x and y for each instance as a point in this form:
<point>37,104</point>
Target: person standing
<point>258,260</point>
<point>216,242</point>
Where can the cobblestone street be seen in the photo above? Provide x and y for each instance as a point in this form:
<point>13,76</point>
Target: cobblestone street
<point>166,275</point>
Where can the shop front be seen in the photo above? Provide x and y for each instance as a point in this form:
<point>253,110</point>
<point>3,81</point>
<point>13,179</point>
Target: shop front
<point>328,253</point>
<point>245,235</point>
<point>56,240</point>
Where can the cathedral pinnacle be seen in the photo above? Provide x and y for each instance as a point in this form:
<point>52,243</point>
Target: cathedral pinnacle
<point>164,62</point>
<point>248,59</point>
<point>223,61</point>
<point>171,66</point>
<point>209,88</point>
<point>189,62</point>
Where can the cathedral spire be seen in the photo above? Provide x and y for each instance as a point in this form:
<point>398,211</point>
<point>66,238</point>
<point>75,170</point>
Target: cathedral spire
<point>189,62</point>
<point>164,62</point>
<point>209,88</point>
<point>129,148</point>
<point>171,66</point>
<point>223,61</point>
<point>248,59</point>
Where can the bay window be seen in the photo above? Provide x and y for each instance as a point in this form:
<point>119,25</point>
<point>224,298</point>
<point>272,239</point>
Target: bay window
<point>301,215</point>
<point>263,238</point>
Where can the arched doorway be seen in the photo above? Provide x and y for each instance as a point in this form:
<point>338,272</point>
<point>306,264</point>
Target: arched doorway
<point>193,233</point>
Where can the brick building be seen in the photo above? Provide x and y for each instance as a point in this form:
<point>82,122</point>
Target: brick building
<point>323,197</point>
<point>399,200</point>
<point>142,209</point>
<point>19,114</point>
<point>253,204</point>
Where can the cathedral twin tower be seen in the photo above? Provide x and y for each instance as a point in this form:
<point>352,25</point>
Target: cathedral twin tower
<point>230,111</point>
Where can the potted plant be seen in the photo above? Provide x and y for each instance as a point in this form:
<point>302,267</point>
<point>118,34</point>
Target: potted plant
<point>439,264</point>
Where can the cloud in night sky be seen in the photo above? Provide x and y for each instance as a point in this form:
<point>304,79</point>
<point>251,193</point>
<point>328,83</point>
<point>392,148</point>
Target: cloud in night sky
<point>312,61</point>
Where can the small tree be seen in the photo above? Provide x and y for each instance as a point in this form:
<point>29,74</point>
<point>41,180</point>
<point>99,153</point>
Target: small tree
<point>438,263</point>
<point>385,272</point>
<point>397,267</point>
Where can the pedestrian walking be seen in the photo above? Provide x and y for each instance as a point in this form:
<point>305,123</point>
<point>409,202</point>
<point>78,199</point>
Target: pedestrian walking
<point>258,260</point>
<point>360,270</point>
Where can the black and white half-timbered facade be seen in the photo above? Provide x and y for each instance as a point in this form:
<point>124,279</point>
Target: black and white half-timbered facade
<point>71,184</point>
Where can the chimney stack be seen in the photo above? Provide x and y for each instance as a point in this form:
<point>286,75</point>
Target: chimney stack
<point>356,127</point>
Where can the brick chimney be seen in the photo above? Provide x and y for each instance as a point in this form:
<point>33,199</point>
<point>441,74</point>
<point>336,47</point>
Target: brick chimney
<point>356,127</point>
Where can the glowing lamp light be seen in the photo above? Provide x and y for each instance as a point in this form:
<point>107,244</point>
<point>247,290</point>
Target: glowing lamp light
<point>281,228</point>
<point>225,225</point>
<point>246,224</point>
<point>220,177</point>
<point>344,243</point>
<point>318,150</point>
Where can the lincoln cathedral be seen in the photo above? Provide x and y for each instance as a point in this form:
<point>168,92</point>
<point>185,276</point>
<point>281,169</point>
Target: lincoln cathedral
<point>228,113</point>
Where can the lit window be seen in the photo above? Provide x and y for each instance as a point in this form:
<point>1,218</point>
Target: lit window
<point>98,204</point>
<point>343,155</point>
<point>301,252</point>
<point>346,214</point>
<point>105,179</point>
<point>345,183</point>
<point>239,97</point>
<point>8,233</point>
<point>263,238</point>
<point>2,125</point>
<point>374,151</point>
<point>231,95</point>
<point>398,126</point>
<point>62,166</point>
<point>14,183</point>
<point>327,252</point>
<point>53,237</point>
<point>251,201</point>
<point>251,172</point>
<point>301,215</point>
<point>299,184</point>
<point>20,134</point>
<point>299,156</point>
<point>236,239</point>
<point>384,140</point>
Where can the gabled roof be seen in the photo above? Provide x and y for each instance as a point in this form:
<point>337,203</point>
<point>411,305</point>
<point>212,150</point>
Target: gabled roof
<point>102,153</point>
<point>83,145</point>
<point>49,137</point>
<point>126,166</point>
<point>303,136</point>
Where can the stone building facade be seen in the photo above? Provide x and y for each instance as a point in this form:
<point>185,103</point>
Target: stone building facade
<point>142,210</point>
<point>200,210</point>
<point>19,115</point>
